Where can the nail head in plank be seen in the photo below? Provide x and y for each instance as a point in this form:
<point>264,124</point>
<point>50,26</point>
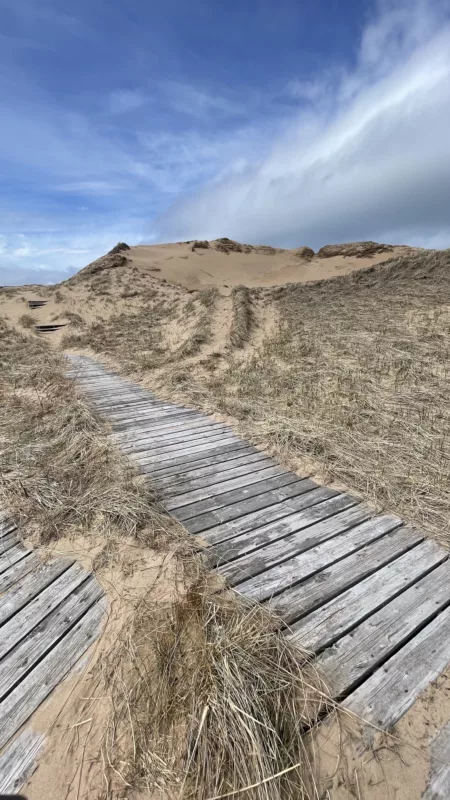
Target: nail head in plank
<point>384,697</point>
<point>292,560</point>
<point>357,654</point>
<point>310,594</point>
<point>327,624</point>
<point>228,513</point>
<point>47,633</point>
<point>32,691</point>
<point>267,536</point>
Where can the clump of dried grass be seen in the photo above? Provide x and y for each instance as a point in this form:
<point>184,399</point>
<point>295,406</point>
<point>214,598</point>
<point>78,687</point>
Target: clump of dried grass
<point>242,319</point>
<point>27,321</point>
<point>203,304</point>
<point>208,698</point>
<point>60,473</point>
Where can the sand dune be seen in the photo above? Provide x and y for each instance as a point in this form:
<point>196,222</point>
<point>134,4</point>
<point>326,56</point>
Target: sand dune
<point>199,267</point>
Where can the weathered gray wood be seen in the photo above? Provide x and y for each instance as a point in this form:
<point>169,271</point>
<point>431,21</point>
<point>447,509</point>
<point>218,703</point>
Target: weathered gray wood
<point>47,633</point>
<point>235,496</point>
<point>178,452</point>
<point>288,561</point>
<point>324,626</point>
<point>8,541</point>
<point>172,503</point>
<point>267,536</point>
<point>19,625</point>
<point>151,449</point>
<point>297,601</point>
<point>11,557</point>
<point>310,495</point>
<point>148,411</point>
<point>157,428</point>
<point>264,500</point>
<point>357,654</point>
<point>186,434</point>
<point>19,760</point>
<point>175,432</point>
<point>7,527</point>
<point>30,586</point>
<point>132,423</point>
<point>439,777</point>
<point>185,467</point>
<point>18,706</point>
<point>216,475</point>
<point>17,571</point>
<point>387,694</point>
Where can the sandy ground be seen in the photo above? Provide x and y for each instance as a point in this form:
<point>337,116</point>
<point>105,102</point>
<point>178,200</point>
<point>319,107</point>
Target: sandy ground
<point>74,717</point>
<point>177,263</point>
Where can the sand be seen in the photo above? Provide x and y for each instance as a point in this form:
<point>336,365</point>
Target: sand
<point>177,263</point>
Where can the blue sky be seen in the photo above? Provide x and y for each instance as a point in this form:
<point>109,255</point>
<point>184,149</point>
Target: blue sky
<point>289,122</point>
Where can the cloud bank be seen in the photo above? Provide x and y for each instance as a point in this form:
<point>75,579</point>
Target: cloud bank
<point>367,156</point>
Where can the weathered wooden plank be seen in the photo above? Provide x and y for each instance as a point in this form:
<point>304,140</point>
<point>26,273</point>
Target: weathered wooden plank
<point>228,513</point>
<point>148,450</point>
<point>8,541</point>
<point>246,466</point>
<point>388,693</point>
<point>310,495</point>
<point>11,557</point>
<point>157,428</point>
<point>287,561</point>
<point>135,422</point>
<point>194,435</point>
<point>355,656</point>
<point>110,404</point>
<point>172,503</point>
<point>184,467</point>
<point>134,427</point>
<point>151,410</point>
<point>17,571</point>
<point>19,625</point>
<point>327,624</point>
<point>31,586</point>
<point>7,527</point>
<point>182,452</point>
<point>47,633</point>
<point>271,532</point>
<point>175,432</point>
<point>19,760</point>
<point>18,706</point>
<point>234,497</point>
<point>439,777</point>
<point>297,601</point>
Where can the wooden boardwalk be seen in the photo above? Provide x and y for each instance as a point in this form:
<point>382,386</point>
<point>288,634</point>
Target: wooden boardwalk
<point>368,595</point>
<point>50,613</point>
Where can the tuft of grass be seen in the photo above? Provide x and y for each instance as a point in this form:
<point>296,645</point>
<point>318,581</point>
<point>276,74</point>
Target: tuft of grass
<point>209,698</point>
<point>242,320</point>
<point>202,329</point>
<point>27,321</point>
<point>60,472</point>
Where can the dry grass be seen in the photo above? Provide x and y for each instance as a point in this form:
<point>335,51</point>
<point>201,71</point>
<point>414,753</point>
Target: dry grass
<point>355,381</point>
<point>203,306</point>
<point>27,321</point>
<point>208,698</point>
<point>351,384</point>
<point>60,474</point>
<point>242,320</point>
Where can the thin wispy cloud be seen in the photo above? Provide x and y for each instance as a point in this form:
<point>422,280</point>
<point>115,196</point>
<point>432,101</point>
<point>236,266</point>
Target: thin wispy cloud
<point>313,128</point>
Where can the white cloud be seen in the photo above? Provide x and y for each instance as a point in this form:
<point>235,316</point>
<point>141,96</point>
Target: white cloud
<point>371,159</point>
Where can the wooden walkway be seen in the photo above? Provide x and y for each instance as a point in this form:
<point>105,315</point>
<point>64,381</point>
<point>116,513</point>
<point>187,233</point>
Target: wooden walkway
<point>50,613</point>
<point>368,595</point>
